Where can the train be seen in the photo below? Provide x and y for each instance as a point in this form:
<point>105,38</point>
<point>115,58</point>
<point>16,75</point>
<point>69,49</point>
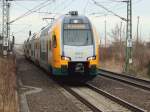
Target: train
<point>69,45</point>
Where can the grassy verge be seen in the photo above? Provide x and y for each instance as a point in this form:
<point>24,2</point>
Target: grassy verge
<point>113,58</point>
<point>8,92</point>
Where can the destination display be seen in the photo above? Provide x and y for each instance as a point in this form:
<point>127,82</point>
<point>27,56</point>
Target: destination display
<point>76,26</point>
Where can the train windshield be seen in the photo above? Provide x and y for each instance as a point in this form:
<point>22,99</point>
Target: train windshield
<point>77,37</point>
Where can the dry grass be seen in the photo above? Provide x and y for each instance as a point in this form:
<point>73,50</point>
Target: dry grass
<point>113,58</point>
<point>8,94</point>
<point>112,66</point>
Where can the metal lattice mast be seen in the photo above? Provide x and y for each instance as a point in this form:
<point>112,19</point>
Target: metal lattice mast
<point>1,25</point>
<point>128,58</point>
<point>8,26</point>
<point>129,37</point>
<point>5,26</point>
<point>138,21</point>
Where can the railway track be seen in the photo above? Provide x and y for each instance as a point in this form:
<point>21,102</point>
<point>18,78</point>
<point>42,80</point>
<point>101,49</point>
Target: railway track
<point>136,82</point>
<point>130,106</point>
<point>99,100</point>
<point>83,100</point>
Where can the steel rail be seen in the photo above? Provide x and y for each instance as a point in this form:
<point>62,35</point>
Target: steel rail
<point>127,76</point>
<point>116,99</point>
<point>140,83</point>
<point>83,100</point>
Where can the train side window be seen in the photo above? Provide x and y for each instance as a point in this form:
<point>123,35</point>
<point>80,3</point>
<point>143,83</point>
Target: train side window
<point>50,44</point>
<point>54,41</point>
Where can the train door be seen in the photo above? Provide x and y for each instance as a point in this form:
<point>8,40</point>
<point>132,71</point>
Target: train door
<point>38,50</point>
<point>50,49</point>
<point>43,50</point>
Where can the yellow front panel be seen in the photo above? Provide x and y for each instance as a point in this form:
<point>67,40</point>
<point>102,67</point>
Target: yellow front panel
<point>56,51</point>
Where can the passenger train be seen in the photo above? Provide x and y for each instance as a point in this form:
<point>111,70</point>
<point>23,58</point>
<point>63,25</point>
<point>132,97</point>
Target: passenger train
<point>70,45</point>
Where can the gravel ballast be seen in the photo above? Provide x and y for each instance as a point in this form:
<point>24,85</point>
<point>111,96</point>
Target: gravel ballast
<point>126,92</point>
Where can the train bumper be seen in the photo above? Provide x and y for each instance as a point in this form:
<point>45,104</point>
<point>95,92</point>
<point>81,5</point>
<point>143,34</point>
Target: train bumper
<point>59,71</point>
<point>65,70</point>
<point>73,69</point>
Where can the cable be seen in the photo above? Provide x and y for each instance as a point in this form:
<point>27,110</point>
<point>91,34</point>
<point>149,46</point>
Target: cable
<point>114,7</point>
<point>20,5</point>
<point>95,12</point>
<point>84,10</point>
<point>34,11</point>
<point>68,4</point>
<point>124,19</point>
<point>28,12</point>
<point>41,5</point>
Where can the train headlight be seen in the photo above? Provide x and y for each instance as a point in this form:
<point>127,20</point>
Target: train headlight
<point>65,58</point>
<point>91,58</point>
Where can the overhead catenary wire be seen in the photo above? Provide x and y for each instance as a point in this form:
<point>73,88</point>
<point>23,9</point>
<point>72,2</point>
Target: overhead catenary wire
<point>41,5</point>
<point>85,6</point>
<point>61,6</point>
<point>20,5</point>
<point>40,12</point>
<point>29,11</point>
<point>111,7</point>
<point>103,13</point>
<point>100,5</point>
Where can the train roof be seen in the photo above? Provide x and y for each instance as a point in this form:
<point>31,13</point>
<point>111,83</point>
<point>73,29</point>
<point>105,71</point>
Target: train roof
<point>75,19</point>
<point>67,18</point>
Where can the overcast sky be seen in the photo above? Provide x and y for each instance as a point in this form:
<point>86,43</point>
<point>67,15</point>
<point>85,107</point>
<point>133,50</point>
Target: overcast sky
<point>96,14</point>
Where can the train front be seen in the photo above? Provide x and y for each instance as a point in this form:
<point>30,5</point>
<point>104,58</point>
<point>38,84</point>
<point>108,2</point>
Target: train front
<point>79,46</point>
